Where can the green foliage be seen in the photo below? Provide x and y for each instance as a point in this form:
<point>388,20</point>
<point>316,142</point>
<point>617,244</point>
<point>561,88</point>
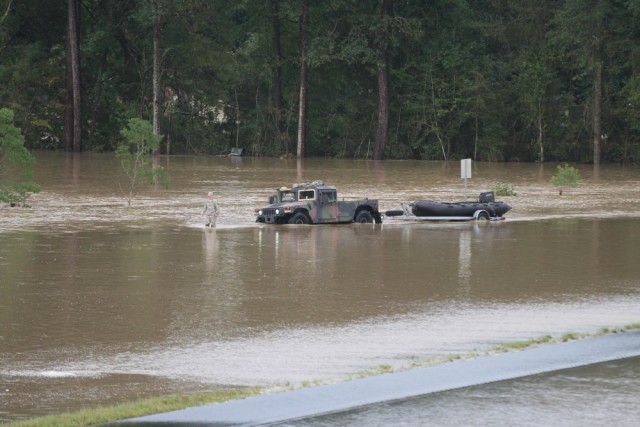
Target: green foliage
<point>135,153</point>
<point>533,81</point>
<point>567,176</point>
<point>502,189</point>
<point>632,326</point>
<point>136,408</point>
<point>16,163</point>
<point>520,345</point>
<point>569,336</point>
<point>494,81</point>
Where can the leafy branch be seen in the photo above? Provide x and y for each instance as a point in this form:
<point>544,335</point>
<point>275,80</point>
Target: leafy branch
<point>135,155</point>
<point>567,176</point>
<point>16,163</point>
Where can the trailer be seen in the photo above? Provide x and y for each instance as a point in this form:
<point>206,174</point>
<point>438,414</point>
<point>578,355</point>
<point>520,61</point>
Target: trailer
<point>485,209</point>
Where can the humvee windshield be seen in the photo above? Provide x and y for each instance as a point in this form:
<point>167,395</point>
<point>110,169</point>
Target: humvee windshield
<point>287,196</point>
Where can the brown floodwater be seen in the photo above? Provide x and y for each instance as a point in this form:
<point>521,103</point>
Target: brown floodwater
<point>103,303</point>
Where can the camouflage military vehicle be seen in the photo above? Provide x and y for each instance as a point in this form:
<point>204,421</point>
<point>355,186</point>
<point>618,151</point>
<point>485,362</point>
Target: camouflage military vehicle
<point>316,203</point>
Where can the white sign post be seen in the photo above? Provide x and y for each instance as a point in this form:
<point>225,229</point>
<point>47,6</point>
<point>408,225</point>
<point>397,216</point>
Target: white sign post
<point>465,172</point>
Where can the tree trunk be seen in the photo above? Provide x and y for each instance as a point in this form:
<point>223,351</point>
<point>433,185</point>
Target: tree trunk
<point>597,111</point>
<point>95,107</point>
<point>598,39</point>
<point>277,79</point>
<point>383,84</point>
<point>476,138</point>
<point>73,62</point>
<point>383,107</point>
<point>540,131</point>
<point>156,82</point>
<point>302,107</point>
<point>168,133</point>
<point>156,79</point>
<point>68,102</point>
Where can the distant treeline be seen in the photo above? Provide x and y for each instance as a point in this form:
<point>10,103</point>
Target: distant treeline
<point>495,80</point>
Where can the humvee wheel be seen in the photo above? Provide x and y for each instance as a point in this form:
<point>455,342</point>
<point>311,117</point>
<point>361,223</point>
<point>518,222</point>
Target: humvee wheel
<point>364,217</point>
<point>299,218</point>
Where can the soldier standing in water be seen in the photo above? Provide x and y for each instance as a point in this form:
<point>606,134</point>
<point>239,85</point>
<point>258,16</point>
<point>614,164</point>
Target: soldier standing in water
<point>211,210</point>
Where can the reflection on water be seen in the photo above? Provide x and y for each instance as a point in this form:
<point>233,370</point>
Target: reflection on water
<point>102,303</point>
<point>211,251</point>
<point>464,260</point>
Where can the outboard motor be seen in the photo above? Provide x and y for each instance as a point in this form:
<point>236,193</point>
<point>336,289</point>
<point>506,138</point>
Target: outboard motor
<point>487,197</point>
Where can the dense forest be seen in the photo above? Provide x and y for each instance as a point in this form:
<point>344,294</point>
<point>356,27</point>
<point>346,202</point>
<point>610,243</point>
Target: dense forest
<point>494,80</point>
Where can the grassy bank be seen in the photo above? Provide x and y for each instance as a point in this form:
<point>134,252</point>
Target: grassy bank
<point>103,415</point>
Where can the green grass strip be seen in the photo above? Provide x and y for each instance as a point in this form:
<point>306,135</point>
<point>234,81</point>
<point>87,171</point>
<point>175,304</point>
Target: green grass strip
<point>106,414</point>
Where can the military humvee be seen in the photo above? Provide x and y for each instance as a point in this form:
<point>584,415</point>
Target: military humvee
<point>316,203</point>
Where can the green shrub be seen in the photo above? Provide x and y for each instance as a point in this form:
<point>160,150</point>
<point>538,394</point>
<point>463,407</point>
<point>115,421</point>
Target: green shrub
<point>502,189</point>
<point>567,176</point>
<point>136,154</point>
<point>16,163</point>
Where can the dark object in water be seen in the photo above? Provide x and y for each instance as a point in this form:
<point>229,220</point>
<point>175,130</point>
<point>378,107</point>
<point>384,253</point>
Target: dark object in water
<point>236,151</point>
<point>486,206</point>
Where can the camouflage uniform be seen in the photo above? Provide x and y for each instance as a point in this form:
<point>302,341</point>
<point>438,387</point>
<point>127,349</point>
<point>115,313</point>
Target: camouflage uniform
<point>211,210</point>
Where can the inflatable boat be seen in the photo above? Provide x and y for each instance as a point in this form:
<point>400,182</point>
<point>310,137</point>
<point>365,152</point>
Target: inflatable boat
<point>422,208</point>
<point>485,208</point>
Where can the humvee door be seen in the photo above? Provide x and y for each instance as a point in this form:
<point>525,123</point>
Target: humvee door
<point>328,207</point>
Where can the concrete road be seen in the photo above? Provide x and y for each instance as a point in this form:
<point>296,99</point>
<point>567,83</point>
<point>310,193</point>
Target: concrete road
<point>308,402</point>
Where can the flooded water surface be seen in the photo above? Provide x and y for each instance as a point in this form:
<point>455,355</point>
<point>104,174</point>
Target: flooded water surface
<point>103,303</point>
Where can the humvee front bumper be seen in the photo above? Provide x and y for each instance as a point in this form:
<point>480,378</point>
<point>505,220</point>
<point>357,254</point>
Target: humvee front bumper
<point>271,215</point>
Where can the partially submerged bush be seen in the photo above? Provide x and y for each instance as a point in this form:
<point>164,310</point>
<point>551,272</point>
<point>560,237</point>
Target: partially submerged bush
<point>18,194</point>
<point>502,189</point>
<point>567,176</point>
<point>16,163</point>
<point>135,154</point>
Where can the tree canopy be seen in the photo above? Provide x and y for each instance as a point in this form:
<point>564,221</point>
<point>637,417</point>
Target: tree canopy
<point>550,80</point>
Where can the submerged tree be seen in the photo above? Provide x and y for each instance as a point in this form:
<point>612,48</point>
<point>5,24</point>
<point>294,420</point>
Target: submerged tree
<point>135,154</point>
<point>304,68</point>
<point>582,29</point>
<point>16,163</point>
<point>533,82</point>
<point>72,108</point>
<point>567,176</point>
<point>382,129</point>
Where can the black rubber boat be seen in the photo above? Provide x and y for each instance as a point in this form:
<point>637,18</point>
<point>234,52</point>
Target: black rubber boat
<point>428,208</point>
<point>484,208</point>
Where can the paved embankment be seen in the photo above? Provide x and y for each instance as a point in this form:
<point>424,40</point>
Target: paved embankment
<point>304,403</point>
